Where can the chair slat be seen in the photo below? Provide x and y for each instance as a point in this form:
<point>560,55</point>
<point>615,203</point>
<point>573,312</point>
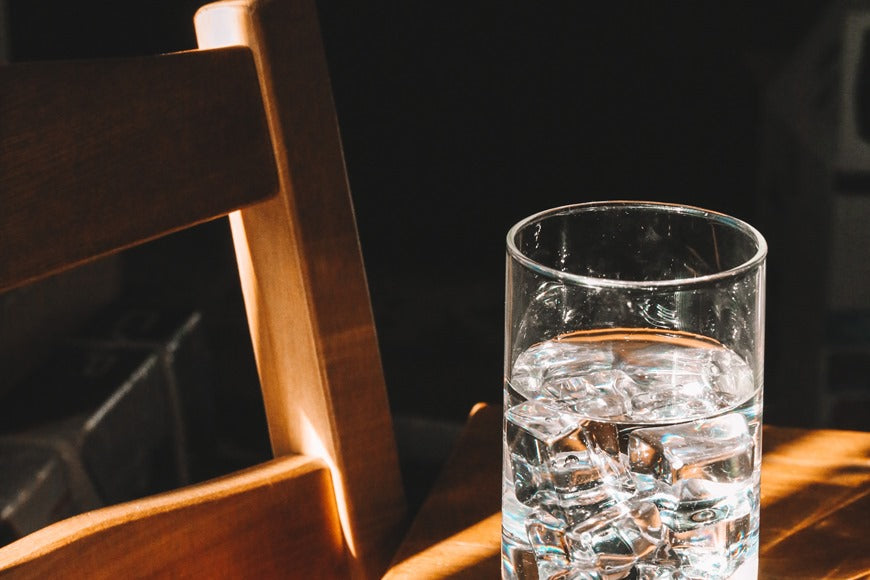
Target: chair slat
<point>258,523</point>
<point>173,139</point>
<point>305,286</point>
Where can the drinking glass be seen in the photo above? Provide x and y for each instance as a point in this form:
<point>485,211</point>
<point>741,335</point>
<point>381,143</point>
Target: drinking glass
<point>634,341</point>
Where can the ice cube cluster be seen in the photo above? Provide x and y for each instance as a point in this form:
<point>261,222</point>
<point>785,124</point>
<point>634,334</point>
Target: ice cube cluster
<point>648,383</point>
<point>611,494</point>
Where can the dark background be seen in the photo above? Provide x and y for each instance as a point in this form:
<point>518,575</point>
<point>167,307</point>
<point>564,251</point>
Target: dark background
<point>460,118</point>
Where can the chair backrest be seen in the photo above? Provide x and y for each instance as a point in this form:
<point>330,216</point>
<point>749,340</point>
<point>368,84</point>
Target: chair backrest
<point>97,156</point>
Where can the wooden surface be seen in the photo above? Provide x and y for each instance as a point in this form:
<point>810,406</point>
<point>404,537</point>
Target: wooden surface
<point>815,518</point>
<point>259,523</point>
<point>304,282</point>
<point>171,140</point>
<point>815,504</point>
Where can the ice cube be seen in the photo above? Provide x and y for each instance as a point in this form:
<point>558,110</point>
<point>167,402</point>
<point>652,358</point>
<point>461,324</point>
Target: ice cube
<point>546,534</point>
<point>556,452</point>
<point>602,436</point>
<point>584,506</point>
<point>540,434</point>
<point>602,394</point>
<point>718,450</point>
<point>648,488</point>
<point>554,361</point>
<point>661,363</point>
<point>527,479</point>
<point>518,562</point>
<point>572,473</point>
<point>537,422</point>
<point>602,439</point>
<point>615,538</point>
<point>645,571</point>
<point>711,538</point>
<point>512,397</point>
<point>685,383</point>
<point>732,379</point>
<point>703,490</point>
<point>685,401</point>
<point>547,571</point>
<point>593,461</point>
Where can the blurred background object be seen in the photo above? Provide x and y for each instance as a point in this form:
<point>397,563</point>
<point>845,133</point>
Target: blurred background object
<point>814,207</point>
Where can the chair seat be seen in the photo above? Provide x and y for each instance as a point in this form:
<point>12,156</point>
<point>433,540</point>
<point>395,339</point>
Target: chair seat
<point>457,532</point>
<point>815,505</point>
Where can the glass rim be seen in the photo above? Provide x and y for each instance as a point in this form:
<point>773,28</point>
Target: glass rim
<point>578,279</point>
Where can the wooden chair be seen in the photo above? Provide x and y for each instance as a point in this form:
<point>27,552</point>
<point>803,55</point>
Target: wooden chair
<point>97,156</point>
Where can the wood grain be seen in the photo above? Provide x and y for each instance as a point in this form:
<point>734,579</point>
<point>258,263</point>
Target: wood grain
<point>815,504</point>
<point>304,281</point>
<point>815,495</point>
<point>259,523</point>
<point>98,155</point>
<point>457,532</point>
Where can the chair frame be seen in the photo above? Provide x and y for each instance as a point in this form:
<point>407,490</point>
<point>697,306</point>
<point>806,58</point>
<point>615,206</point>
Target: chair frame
<point>248,124</point>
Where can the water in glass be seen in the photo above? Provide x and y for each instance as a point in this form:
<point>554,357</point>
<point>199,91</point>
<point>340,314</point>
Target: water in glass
<point>630,453</point>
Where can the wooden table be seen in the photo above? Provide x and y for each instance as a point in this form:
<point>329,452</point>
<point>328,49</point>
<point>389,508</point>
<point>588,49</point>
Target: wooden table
<point>815,507</point>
